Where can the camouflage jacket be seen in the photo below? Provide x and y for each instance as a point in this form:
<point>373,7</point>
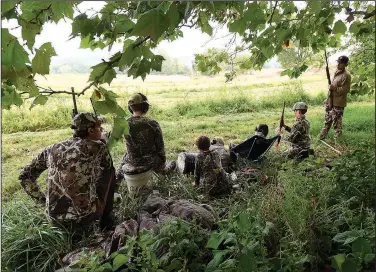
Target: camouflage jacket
<point>209,172</point>
<point>299,134</point>
<point>145,147</point>
<point>76,180</point>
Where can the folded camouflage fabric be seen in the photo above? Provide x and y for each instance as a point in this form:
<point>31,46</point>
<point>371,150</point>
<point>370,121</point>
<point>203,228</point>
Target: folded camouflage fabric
<point>155,211</point>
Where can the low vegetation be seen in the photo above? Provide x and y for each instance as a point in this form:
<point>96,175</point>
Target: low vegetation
<point>312,216</point>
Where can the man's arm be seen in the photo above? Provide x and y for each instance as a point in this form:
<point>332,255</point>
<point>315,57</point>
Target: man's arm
<point>343,85</point>
<point>29,175</point>
<point>295,131</point>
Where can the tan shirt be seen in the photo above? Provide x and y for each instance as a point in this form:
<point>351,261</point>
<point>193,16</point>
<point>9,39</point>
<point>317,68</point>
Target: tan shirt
<point>341,83</point>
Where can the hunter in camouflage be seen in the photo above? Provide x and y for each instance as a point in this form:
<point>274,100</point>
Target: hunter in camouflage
<point>340,87</point>
<point>144,143</point>
<point>209,172</point>
<point>299,133</point>
<point>80,180</point>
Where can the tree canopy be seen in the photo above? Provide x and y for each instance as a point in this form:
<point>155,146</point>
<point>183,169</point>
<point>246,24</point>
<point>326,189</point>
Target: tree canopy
<point>260,28</point>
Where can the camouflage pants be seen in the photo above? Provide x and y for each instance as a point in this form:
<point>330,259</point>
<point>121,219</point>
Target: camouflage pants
<point>333,117</point>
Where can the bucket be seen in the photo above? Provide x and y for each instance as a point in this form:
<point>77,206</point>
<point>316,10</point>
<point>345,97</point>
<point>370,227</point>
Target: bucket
<point>136,181</point>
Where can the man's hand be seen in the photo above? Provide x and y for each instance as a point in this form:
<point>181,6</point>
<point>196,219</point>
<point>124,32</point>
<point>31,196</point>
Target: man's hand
<point>331,87</point>
<point>325,101</point>
<point>279,131</point>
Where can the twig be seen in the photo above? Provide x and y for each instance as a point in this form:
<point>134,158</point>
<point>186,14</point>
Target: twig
<point>339,152</point>
<point>366,14</point>
<point>271,16</point>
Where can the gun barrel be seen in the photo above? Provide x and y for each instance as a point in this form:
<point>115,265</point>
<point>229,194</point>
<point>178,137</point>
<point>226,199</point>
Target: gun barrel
<point>74,111</point>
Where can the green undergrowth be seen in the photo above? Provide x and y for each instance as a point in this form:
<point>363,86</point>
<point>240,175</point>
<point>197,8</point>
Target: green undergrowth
<point>305,218</point>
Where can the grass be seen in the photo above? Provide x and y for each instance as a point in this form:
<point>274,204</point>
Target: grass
<point>231,112</point>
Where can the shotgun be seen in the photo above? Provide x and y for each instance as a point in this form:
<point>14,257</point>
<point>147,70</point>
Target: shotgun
<point>281,123</point>
<point>330,94</point>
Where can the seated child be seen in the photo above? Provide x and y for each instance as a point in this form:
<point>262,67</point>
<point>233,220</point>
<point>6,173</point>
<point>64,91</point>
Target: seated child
<point>299,133</point>
<point>208,170</point>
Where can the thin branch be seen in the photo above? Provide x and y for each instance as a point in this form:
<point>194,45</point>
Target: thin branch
<point>50,91</point>
<point>271,16</point>
<point>359,12</point>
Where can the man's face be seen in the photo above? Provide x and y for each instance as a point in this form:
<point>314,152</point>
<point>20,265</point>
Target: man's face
<point>95,133</point>
<point>341,66</point>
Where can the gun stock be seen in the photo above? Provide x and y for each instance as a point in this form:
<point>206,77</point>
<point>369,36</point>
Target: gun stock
<point>330,95</point>
<point>281,123</point>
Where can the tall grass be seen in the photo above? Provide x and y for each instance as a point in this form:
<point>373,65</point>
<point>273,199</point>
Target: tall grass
<point>29,243</point>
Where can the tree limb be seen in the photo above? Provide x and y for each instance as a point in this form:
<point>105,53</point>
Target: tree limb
<point>360,12</point>
<point>271,16</point>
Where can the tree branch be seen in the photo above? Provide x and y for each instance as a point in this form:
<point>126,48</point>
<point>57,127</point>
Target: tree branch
<point>360,12</point>
<point>271,16</point>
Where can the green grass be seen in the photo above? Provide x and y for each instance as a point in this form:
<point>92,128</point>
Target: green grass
<point>232,113</point>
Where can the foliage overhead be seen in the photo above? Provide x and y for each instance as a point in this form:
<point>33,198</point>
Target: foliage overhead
<point>262,28</point>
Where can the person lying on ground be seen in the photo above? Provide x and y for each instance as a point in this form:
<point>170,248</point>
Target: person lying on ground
<point>299,133</point>
<point>80,180</point>
<point>209,171</point>
<point>261,130</point>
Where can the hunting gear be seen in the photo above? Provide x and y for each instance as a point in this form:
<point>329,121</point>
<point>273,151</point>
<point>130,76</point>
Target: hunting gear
<point>281,124</point>
<point>337,101</point>
<point>299,133</point>
<point>145,151</point>
<point>80,180</point>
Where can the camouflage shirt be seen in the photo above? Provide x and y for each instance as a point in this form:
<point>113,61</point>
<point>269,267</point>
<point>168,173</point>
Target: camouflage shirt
<point>209,172</point>
<point>76,168</point>
<point>299,134</point>
<point>145,146</point>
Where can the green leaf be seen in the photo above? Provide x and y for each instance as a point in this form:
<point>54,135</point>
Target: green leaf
<point>12,53</point>
<point>268,51</point>
<point>119,260</point>
<point>350,266</point>
<point>62,9</point>
<point>217,259</point>
<point>128,56</point>
<point>173,16</point>
<point>120,128</point>
<point>41,61</point>
<point>39,100</point>
<point>103,107</point>
<point>339,27</point>
<point>215,240</point>
<point>243,222</point>
<point>361,245</point>
<point>369,258</point>
<point>337,261</point>
<point>343,236</point>
<point>143,68</point>
<point>354,27</point>
<point>7,6</point>
<point>98,70</point>
<point>29,31</point>
<point>106,267</point>
<point>156,63</point>
<point>109,76</point>
<point>238,26</point>
<point>152,23</point>
<point>88,42</point>
<point>315,6</point>
<point>247,261</point>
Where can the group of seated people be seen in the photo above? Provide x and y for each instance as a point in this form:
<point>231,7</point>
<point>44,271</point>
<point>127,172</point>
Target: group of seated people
<point>82,180</point>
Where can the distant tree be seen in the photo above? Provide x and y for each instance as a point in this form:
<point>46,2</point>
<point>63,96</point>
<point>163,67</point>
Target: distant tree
<point>296,56</point>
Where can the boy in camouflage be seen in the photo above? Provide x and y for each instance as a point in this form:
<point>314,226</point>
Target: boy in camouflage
<point>144,143</point>
<point>299,133</point>
<point>80,180</point>
<point>209,171</point>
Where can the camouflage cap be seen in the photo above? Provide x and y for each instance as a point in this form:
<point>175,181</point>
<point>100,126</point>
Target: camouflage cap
<point>299,106</point>
<point>137,99</point>
<point>218,140</point>
<point>85,120</point>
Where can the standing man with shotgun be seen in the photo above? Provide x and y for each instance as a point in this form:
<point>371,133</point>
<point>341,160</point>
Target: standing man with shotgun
<point>336,101</point>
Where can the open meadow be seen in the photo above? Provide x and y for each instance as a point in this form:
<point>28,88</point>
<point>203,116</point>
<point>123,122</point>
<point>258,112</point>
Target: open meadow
<point>292,231</point>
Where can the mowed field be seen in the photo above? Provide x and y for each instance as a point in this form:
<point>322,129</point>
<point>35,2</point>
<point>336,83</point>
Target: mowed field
<point>186,107</point>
